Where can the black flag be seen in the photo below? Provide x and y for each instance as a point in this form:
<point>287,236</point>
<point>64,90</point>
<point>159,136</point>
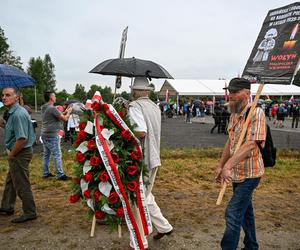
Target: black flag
<point>121,55</point>
<point>275,55</point>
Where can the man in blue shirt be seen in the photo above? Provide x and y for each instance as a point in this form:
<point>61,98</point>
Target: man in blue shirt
<point>19,138</point>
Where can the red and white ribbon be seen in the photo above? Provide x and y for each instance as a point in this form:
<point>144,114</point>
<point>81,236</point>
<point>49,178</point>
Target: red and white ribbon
<point>141,197</point>
<point>118,186</point>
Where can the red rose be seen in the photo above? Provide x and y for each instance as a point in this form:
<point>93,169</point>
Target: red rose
<point>99,215</point>
<point>136,155</point>
<point>80,157</point>
<point>121,115</point>
<point>81,135</point>
<point>115,157</point>
<point>91,145</point>
<point>113,198</point>
<point>77,142</point>
<point>120,212</point>
<point>105,106</point>
<point>74,198</point>
<point>96,106</point>
<point>132,186</point>
<point>104,177</point>
<point>87,193</point>
<point>97,195</point>
<point>126,135</point>
<point>132,170</point>
<point>82,126</point>
<point>88,177</point>
<point>95,161</point>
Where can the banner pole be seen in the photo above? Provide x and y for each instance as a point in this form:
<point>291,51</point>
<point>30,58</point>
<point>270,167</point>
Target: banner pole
<point>242,136</point>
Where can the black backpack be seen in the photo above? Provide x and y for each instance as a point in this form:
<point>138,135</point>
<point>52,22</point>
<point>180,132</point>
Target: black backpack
<point>268,153</point>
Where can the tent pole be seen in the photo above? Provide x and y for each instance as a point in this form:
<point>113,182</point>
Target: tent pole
<point>35,99</point>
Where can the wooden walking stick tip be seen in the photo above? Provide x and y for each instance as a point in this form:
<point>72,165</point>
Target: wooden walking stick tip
<point>221,194</point>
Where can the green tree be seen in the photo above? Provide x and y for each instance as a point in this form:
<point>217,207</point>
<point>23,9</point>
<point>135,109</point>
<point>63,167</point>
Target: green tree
<point>6,54</point>
<point>62,96</point>
<point>106,93</point>
<point>125,95</point>
<point>49,76</point>
<point>36,70</point>
<point>153,94</point>
<point>92,91</point>
<point>79,93</point>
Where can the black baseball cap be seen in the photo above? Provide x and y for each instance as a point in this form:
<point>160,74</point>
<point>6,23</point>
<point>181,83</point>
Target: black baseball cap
<point>238,83</point>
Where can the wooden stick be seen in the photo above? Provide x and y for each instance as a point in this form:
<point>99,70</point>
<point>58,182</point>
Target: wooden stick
<point>120,231</point>
<point>93,226</point>
<point>242,136</point>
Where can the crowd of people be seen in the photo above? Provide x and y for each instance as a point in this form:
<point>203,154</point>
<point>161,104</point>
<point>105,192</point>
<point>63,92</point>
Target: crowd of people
<point>277,111</point>
<point>243,167</point>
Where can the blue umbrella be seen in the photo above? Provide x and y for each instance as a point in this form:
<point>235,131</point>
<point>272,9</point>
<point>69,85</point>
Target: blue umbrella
<point>12,77</point>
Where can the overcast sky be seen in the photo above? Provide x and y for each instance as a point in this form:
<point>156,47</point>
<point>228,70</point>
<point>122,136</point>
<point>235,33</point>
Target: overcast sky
<point>192,39</point>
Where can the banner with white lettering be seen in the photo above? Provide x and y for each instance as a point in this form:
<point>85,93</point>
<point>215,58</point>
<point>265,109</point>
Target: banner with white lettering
<point>275,55</point>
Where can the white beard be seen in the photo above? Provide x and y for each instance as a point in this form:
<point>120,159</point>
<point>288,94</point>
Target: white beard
<point>236,107</point>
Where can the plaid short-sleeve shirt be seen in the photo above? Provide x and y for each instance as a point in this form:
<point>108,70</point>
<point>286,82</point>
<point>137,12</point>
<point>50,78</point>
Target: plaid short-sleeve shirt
<point>252,167</point>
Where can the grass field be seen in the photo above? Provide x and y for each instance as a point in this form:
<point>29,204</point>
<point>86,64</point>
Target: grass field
<point>186,193</point>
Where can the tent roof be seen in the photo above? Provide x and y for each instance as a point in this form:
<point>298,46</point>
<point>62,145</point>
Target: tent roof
<point>190,87</point>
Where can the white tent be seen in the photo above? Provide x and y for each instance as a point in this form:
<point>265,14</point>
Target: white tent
<point>187,87</point>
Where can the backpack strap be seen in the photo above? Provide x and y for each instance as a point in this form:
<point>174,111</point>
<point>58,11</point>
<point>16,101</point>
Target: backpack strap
<point>258,143</point>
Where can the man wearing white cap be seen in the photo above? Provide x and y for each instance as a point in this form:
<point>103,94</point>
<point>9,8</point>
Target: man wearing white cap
<point>147,116</point>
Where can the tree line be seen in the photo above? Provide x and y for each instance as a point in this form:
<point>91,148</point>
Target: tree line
<point>42,70</point>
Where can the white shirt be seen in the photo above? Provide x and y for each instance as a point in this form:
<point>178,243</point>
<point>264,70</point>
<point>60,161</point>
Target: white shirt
<point>73,121</point>
<point>136,117</point>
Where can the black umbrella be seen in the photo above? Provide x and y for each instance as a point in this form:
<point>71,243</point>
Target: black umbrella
<point>131,67</point>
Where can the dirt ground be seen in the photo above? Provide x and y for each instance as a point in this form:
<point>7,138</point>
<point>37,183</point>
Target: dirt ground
<point>186,194</point>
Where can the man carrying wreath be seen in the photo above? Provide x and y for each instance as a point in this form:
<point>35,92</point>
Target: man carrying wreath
<point>147,116</point>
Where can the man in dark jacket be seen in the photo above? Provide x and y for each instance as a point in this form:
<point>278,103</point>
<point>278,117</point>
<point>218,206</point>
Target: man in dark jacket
<point>296,114</point>
<point>217,117</point>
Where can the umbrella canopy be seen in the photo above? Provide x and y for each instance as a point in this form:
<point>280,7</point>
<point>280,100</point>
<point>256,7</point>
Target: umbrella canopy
<point>68,102</point>
<point>131,67</point>
<point>12,77</point>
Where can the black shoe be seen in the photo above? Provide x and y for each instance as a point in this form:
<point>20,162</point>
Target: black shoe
<point>48,175</point>
<point>64,178</point>
<point>7,211</point>
<point>160,235</point>
<point>24,218</point>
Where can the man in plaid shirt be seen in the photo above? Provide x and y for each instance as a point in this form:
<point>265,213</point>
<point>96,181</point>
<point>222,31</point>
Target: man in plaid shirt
<point>244,168</point>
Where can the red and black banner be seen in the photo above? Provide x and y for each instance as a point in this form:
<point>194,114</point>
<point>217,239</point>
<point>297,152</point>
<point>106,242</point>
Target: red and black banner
<point>275,55</point>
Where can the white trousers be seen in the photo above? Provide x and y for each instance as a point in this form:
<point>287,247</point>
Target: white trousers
<point>158,220</point>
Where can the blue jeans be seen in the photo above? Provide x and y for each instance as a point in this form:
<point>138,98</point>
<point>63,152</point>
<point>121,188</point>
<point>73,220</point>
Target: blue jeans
<point>51,145</point>
<point>239,213</point>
